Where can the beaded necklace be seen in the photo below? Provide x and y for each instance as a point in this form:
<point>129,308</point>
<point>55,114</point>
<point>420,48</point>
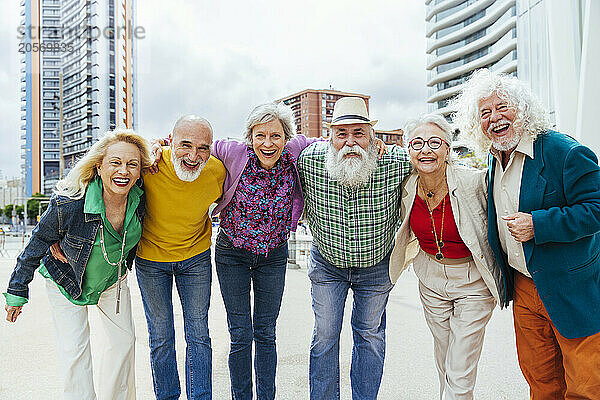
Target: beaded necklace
<point>117,264</point>
<point>439,243</point>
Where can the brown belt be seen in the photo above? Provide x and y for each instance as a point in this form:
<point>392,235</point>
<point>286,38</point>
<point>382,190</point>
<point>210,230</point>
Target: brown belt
<point>450,261</point>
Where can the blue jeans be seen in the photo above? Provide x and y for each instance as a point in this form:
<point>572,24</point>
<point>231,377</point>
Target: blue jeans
<point>329,288</point>
<point>193,279</point>
<point>238,270</point>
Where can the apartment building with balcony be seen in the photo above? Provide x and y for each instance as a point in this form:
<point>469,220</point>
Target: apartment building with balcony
<point>314,108</point>
<point>395,136</point>
<point>465,35</point>
<point>79,86</point>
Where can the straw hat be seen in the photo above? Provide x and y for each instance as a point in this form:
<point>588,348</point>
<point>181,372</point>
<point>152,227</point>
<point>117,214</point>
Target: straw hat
<point>350,110</point>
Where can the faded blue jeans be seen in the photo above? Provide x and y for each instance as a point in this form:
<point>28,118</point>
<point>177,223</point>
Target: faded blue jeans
<point>240,272</point>
<point>193,279</point>
<point>329,288</point>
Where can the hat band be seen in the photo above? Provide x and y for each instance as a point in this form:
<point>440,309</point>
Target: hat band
<point>343,117</point>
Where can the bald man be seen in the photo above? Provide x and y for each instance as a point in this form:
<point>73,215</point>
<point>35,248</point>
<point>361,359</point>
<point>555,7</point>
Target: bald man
<point>175,245</point>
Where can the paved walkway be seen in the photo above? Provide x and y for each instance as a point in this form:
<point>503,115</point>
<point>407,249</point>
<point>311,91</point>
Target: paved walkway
<point>30,370</point>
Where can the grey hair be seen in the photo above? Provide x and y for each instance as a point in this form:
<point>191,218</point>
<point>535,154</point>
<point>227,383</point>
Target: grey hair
<point>437,120</point>
<point>434,119</point>
<point>531,116</point>
<point>268,112</point>
<point>191,119</point>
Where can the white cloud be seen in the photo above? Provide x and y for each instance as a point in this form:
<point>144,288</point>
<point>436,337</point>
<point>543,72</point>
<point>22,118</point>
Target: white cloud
<point>220,59</point>
<point>10,95</point>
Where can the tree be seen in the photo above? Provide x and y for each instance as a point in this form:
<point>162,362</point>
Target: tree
<point>19,209</point>
<point>8,210</point>
<point>33,206</point>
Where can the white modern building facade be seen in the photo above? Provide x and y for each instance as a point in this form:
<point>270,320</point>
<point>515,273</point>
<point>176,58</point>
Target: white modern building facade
<point>559,55</point>
<point>465,35</point>
<point>80,86</point>
<point>551,44</point>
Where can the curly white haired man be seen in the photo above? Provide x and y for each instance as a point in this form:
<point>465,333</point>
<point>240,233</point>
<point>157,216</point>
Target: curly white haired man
<point>544,228</point>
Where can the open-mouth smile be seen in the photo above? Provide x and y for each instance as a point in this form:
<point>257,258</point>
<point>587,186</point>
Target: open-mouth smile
<point>189,164</point>
<point>121,182</point>
<point>268,153</point>
<point>499,129</point>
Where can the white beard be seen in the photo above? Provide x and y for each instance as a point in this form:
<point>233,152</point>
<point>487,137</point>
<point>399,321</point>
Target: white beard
<point>351,171</point>
<point>507,143</point>
<point>184,174</point>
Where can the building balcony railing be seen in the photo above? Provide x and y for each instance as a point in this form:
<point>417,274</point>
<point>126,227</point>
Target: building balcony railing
<point>473,65</point>
<point>457,18</point>
<point>492,14</point>
<point>490,38</point>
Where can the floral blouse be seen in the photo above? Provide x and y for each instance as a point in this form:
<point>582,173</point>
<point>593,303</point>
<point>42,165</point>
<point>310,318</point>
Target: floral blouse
<point>259,217</point>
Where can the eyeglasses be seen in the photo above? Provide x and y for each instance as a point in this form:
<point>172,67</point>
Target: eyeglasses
<point>433,142</point>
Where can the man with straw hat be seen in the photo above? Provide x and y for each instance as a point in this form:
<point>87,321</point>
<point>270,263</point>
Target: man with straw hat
<point>353,207</point>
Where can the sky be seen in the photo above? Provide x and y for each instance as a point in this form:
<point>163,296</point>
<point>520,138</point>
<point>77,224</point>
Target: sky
<point>221,59</point>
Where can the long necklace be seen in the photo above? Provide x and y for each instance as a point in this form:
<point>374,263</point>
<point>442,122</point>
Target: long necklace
<point>117,264</point>
<point>430,193</point>
<point>439,243</point>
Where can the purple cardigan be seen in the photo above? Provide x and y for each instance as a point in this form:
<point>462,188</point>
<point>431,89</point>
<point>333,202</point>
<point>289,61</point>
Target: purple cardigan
<point>234,156</point>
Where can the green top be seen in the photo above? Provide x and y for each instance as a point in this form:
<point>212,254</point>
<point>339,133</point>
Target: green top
<point>99,275</point>
<point>353,226</point>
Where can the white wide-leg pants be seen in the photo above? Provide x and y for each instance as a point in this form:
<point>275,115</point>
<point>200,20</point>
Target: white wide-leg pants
<point>115,370</point>
<point>457,306</point>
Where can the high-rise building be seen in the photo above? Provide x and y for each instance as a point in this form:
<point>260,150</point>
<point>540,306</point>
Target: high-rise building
<point>77,82</point>
<point>313,108</point>
<point>559,57</point>
<point>556,45</point>
<point>465,35</point>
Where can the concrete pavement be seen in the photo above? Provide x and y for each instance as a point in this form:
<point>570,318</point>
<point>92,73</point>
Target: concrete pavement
<point>30,369</point>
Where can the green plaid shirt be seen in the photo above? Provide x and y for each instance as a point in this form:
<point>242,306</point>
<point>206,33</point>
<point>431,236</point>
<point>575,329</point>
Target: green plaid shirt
<point>353,227</point>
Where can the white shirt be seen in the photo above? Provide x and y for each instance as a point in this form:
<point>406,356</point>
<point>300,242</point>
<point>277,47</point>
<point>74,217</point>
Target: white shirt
<point>507,188</point>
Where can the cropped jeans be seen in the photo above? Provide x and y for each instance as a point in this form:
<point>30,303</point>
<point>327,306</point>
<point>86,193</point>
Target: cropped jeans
<point>193,279</point>
<point>240,272</point>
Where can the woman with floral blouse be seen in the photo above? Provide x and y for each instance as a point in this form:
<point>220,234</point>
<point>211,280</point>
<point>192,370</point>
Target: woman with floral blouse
<point>262,203</point>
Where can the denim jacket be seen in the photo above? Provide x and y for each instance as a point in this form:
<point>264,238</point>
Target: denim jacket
<point>64,221</point>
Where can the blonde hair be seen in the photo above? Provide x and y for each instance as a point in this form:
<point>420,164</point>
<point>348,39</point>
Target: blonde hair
<point>531,117</point>
<point>86,169</point>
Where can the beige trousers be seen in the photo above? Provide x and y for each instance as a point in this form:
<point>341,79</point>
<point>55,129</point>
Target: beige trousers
<point>115,354</point>
<point>457,306</point>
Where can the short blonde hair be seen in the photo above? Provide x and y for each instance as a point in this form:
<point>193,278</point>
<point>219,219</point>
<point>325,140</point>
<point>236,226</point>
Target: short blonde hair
<point>86,169</point>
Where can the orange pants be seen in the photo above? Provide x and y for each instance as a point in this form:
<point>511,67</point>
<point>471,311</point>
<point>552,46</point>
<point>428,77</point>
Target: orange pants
<point>555,367</point>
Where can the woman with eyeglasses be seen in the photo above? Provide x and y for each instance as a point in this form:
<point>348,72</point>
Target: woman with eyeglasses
<point>444,235</point>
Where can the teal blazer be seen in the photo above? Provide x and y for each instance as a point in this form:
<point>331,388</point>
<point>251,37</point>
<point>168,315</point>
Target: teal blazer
<point>560,188</point>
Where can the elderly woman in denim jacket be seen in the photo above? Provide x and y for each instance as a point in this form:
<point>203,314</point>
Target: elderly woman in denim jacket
<point>95,214</point>
<point>444,234</point>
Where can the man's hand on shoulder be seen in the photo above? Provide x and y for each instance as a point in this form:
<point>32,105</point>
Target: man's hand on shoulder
<point>155,154</point>
<point>381,148</point>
